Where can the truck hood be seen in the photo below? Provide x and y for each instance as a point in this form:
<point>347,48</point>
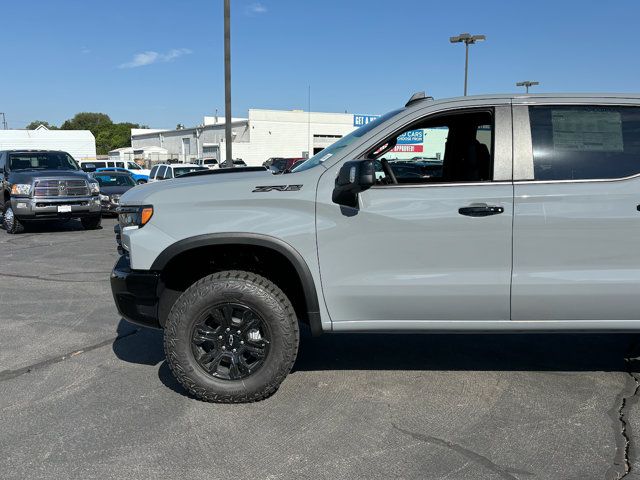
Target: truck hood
<point>115,190</point>
<point>192,187</point>
<point>27,176</point>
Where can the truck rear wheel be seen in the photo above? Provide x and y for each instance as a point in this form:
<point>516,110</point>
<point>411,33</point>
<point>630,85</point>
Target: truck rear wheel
<point>10,222</point>
<point>231,337</point>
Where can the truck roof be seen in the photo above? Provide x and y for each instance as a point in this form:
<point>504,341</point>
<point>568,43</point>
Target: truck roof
<point>524,96</point>
<point>39,150</point>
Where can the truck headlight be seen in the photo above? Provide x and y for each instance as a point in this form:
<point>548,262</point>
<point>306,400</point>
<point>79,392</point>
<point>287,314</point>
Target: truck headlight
<point>20,189</point>
<point>134,216</point>
<point>94,188</point>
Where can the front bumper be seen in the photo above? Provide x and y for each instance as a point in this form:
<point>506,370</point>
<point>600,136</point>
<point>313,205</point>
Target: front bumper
<point>109,207</point>
<point>136,293</point>
<point>47,208</point>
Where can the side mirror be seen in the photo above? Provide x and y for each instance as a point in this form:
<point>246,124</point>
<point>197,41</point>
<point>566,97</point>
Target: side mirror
<point>354,177</point>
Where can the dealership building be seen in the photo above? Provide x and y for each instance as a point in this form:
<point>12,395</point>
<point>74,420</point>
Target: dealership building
<point>264,134</point>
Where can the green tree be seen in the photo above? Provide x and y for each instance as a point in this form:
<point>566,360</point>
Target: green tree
<point>108,135</point>
<point>116,135</point>
<point>36,123</point>
<point>87,121</point>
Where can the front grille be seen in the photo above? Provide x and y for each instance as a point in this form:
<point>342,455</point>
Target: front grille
<point>61,188</point>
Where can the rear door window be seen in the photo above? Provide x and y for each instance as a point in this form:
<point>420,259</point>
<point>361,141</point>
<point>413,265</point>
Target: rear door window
<point>585,142</point>
<point>161,172</point>
<point>153,171</point>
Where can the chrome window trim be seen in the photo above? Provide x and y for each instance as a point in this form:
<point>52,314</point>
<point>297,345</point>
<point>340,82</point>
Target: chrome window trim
<point>435,184</point>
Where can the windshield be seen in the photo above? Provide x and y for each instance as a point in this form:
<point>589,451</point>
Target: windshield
<point>345,141</point>
<point>177,171</point>
<point>106,180</point>
<point>279,163</point>
<point>42,161</point>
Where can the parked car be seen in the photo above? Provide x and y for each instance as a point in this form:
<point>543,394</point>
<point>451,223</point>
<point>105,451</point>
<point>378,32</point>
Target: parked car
<point>112,185</point>
<point>238,162</point>
<point>137,177</point>
<point>133,167</point>
<point>167,171</point>
<point>280,165</point>
<point>210,163</point>
<point>46,185</point>
<point>532,226</point>
<point>296,165</point>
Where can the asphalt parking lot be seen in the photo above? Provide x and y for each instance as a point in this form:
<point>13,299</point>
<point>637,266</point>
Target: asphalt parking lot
<point>86,395</point>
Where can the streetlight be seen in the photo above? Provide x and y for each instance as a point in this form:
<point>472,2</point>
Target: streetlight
<point>467,39</point>
<point>527,84</point>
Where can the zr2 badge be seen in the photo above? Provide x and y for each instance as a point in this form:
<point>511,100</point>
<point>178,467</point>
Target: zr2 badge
<point>277,188</point>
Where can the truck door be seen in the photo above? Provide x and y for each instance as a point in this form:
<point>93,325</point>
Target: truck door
<point>433,244</point>
<point>577,218</point>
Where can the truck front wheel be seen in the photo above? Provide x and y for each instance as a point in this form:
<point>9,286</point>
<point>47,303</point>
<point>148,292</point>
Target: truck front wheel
<point>231,337</point>
<point>9,220</point>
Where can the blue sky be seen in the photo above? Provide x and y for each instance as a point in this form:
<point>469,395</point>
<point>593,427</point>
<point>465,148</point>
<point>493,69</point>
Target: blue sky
<point>160,62</point>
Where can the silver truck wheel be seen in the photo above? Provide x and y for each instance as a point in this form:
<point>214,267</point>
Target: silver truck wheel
<point>231,337</point>
<point>11,224</point>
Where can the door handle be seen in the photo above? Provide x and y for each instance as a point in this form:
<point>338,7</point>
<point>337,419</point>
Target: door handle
<point>480,210</point>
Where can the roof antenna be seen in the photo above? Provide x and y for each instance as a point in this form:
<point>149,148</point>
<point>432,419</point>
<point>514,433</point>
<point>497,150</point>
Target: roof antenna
<point>416,97</point>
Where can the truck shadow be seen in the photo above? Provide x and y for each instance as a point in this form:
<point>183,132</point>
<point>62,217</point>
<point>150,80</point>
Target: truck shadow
<point>469,352</point>
<point>52,226</point>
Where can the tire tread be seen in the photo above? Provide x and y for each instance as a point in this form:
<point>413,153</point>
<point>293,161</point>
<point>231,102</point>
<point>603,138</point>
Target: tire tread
<point>207,285</point>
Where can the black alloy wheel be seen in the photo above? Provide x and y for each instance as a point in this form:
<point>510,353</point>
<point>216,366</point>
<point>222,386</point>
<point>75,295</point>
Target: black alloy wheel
<point>230,341</point>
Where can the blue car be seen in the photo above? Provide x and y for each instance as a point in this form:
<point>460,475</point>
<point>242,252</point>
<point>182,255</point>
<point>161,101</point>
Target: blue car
<point>138,177</point>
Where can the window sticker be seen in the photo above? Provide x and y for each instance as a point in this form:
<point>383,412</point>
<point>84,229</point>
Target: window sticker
<point>587,131</point>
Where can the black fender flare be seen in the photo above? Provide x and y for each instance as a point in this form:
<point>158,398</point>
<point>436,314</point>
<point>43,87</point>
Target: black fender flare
<point>267,241</point>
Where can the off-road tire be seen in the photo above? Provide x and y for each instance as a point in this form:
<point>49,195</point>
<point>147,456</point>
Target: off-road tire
<point>91,223</point>
<point>232,286</point>
<point>11,224</point>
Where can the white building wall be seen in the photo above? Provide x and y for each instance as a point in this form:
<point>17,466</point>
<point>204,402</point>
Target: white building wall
<point>277,133</point>
<point>80,144</point>
<point>266,134</point>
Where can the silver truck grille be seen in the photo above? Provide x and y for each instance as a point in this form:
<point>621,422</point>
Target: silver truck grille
<point>61,188</point>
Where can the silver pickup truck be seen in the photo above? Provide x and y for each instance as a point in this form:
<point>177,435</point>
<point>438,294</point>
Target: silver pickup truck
<point>45,185</point>
<point>476,214</point>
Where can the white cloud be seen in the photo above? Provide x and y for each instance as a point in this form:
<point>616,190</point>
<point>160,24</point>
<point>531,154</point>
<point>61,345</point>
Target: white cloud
<point>255,9</point>
<point>149,57</point>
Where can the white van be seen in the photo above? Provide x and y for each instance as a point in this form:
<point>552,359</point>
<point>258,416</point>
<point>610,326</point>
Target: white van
<point>133,167</point>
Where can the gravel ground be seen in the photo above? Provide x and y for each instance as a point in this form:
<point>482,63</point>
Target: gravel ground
<point>85,395</point>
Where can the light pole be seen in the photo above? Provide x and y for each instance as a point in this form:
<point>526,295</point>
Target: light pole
<point>227,83</point>
<point>467,39</point>
<point>527,84</point>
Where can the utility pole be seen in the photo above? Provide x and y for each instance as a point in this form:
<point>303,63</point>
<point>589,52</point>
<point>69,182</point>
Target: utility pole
<point>227,83</point>
<point>467,39</point>
<point>309,155</point>
<point>527,84</point>
<point>4,121</point>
